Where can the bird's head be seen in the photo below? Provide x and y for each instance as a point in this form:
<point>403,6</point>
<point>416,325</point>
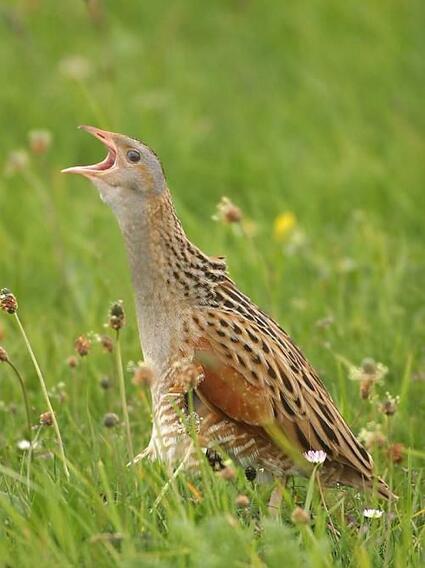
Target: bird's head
<point>129,174</point>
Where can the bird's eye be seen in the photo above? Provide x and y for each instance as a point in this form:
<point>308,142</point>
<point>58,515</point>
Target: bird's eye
<point>133,156</point>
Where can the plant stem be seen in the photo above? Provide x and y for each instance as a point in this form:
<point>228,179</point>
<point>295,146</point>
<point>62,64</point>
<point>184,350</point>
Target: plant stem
<point>121,381</point>
<point>46,395</point>
<point>25,396</point>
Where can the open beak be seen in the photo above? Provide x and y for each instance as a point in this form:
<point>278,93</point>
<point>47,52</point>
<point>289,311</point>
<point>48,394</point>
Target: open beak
<point>107,164</point>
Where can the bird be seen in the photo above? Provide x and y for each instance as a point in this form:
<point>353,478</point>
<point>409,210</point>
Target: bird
<point>258,399</point>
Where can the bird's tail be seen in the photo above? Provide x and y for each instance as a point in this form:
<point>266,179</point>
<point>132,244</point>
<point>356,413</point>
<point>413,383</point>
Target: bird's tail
<point>349,476</point>
<point>383,489</point>
<point>379,486</point>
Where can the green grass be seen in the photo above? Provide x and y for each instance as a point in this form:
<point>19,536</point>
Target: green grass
<point>310,107</point>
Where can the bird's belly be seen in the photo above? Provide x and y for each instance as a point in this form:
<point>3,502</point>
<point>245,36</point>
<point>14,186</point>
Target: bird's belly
<point>244,445</point>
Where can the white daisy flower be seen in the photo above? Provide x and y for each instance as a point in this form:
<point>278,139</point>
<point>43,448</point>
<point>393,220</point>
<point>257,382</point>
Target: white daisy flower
<point>372,513</point>
<point>25,445</point>
<point>315,456</point>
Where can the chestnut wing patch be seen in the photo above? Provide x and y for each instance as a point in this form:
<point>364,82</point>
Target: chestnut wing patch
<point>227,389</point>
<point>255,374</point>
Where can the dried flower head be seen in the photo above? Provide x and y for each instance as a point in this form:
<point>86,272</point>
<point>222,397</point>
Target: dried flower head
<point>143,375</point>
<point>16,162</point>
<point>187,376</point>
<point>105,383</point>
<point>227,473</point>
<point>372,436</point>
<point>107,343</point>
<point>8,301</point>
<point>82,345</point>
<point>117,315</point>
<point>72,362</point>
<point>110,420</point>
<point>3,355</point>
<point>397,452</point>
<point>372,513</point>
<point>389,405</point>
<point>315,456</point>
<point>300,516</point>
<point>368,374</point>
<point>227,212</point>
<point>283,225</point>
<point>39,141</point>
<point>46,419</point>
<point>242,501</point>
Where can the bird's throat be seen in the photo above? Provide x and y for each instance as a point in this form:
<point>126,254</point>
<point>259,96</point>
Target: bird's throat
<point>171,276</point>
<point>147,235</point>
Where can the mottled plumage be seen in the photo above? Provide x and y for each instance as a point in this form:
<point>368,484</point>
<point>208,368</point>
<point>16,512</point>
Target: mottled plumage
<point>258,398</point>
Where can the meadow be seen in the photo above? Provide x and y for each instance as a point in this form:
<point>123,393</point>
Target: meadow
<point>309,116</point>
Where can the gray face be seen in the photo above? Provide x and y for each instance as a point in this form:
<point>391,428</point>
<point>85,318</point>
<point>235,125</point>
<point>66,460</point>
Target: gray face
<point>128,175</point>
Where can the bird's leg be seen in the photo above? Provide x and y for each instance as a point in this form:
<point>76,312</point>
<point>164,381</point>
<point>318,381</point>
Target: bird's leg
<point>275,500</point>
<point>170,440</point>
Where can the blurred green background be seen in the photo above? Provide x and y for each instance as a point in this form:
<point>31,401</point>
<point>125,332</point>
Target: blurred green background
<point>315,109</point>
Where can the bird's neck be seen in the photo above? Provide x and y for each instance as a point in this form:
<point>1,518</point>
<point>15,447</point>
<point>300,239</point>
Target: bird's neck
<point>170,276</point>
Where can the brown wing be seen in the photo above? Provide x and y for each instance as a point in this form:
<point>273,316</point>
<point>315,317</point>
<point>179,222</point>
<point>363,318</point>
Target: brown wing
<point>256,375</point>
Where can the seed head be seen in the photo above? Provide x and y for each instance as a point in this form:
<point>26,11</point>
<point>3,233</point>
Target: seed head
<point>4,357</point>
<point>369,366</point>
<point>8,301</point>
<point>227,212</point>
<point>389,405</point>
<point>82,345</point>
<point>242,501</point>
<point>105,383</point>
<point>227,473</point>
<point>187,377</point>
<point>72,362</point>
<point>397,452</point>
<point>300,516</point>
<point>117,315</point>
<point>372,436</point>
<point>365,389</point>
<point>143,375</point>
<point>107,343</point>
<point>46,419</point>
<point>369,373</point>
<point>39,141</point>
<point>110,420</point>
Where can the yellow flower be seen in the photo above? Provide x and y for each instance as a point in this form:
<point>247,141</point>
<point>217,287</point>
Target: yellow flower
<point>283,225</point>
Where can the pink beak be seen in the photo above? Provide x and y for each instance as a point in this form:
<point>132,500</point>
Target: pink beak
<point>109,162</point>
